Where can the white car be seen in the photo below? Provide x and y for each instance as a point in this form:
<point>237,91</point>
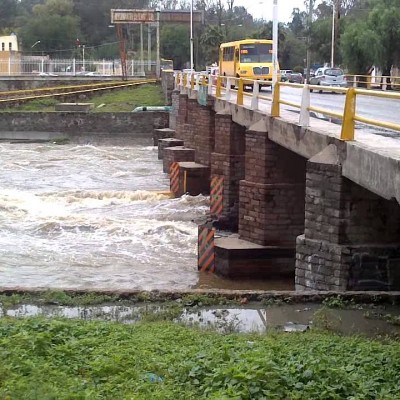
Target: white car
<point>326,76</point>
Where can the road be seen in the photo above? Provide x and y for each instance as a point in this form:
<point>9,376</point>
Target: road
<point>366,106</point>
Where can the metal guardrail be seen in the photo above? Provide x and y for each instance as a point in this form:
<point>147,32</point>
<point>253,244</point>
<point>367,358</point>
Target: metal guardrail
<point>67,90</point>
<point>223,87</point>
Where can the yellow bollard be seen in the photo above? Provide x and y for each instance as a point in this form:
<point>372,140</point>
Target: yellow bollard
<point>275,108</point>
<point>348,124</point>
<point>184,80</point>
<point>239,98</point>
<point>369,82</point>
<point>192,82</point>
<point>219,85</point>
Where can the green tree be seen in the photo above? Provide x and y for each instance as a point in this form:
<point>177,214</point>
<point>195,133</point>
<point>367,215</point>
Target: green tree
<point>359,47</point>
<point>54,25</point>
<point>8,13</point>
<point>384,20</point>
<point>175,44</point>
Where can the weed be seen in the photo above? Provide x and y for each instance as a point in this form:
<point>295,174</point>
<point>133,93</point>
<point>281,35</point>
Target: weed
<point>335,302</point>
<point>326,320</point>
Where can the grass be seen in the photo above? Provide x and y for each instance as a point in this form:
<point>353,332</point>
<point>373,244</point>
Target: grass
<point>58,359</point>
<point>117,100</point>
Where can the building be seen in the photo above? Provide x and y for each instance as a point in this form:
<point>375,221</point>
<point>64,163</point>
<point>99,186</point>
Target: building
<point>10,57</point>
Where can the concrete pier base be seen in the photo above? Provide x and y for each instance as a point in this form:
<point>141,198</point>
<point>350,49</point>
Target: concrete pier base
<point>194,179</point>
<point>168,142</point>
<point>237,258</point>
<point>176,154</point>
<point>163,133</point>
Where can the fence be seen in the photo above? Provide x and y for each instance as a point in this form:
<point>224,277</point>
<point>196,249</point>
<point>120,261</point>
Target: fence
<point>43,65</point>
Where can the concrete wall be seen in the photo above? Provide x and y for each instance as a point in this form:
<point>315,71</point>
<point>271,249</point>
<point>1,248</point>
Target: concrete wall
<point>139,124</point>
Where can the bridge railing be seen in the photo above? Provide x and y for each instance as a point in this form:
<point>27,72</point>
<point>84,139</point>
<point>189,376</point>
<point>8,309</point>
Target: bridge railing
<point>373,81</point>
<point>233,89</point>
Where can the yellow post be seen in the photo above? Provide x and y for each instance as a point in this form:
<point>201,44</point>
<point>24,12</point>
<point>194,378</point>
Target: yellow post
<point>219,85</point>
<point>192,82</point>
<point>368,81</point>
<point>239,98</point>
<point>275,108</point>
<point>184,80</point>
<point>184,181</point>
<point>348,123</point>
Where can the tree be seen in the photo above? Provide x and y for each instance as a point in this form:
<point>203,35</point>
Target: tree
<point>54,25</point>
<point>8,12</point>
<point>175,44</point>
<point>384,19</point>
<point>359,47</point>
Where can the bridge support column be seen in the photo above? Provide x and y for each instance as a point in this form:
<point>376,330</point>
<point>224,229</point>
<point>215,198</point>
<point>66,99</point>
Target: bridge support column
<point>272,194</point>
<point>202,119</point>
<point>183,128</point>
<point>227,162</point>
<point>173,115</point>
<point>176,154</point>
<point>351,238</point>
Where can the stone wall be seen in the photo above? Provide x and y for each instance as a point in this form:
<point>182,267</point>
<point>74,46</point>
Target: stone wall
<point>167,84</point>
<point>351,237</point>
<point>139,124</point>
<point>272,193</point>
<point>227,161</point>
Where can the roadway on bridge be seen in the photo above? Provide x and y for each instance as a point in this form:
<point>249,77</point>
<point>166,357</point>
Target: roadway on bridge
<point>367,106</point>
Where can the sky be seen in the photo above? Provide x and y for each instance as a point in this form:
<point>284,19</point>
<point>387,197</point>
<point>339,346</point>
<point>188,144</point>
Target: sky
<point>263,8</point>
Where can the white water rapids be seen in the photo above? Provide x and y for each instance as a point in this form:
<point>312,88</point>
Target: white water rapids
<point>89,217</point>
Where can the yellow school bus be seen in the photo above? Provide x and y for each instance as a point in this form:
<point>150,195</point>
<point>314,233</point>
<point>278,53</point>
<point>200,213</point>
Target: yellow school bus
<point>248,58</point>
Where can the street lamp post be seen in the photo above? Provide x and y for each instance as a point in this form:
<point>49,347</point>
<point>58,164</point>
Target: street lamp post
<point>191,36</point>
<point>333,35</point>
<point>34,44</point>
<point>308,56</point>
<point>275,42</point>
<point>83,57</point>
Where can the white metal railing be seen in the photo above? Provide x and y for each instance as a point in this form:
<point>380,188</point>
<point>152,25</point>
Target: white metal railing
<point>43,65</point>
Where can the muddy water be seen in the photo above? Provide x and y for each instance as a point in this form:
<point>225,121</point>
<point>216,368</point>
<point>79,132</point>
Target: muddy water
<point>251,318</point>
<point>74,216</point>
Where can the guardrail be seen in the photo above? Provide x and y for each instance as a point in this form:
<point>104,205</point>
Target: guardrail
<point>226,88</point>
<point>381,82</point>
<point>23,95</point>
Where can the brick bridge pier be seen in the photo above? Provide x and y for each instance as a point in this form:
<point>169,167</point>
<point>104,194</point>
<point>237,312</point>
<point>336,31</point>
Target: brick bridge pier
<point>285,194</point>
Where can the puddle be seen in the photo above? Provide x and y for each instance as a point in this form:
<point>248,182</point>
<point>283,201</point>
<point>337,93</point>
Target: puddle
<point>250,318</point>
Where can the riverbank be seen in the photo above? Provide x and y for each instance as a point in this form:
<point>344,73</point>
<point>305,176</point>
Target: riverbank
<point>59,359</point>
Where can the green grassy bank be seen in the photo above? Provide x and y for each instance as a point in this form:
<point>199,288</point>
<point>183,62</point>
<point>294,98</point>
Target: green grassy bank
<point>118,100</point>
<point>59,359</point>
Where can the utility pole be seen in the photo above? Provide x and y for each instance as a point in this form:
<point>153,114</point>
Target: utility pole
<point>308,62</point>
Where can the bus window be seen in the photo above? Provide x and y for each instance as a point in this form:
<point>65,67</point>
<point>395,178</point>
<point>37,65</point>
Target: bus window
<point>257,52</point>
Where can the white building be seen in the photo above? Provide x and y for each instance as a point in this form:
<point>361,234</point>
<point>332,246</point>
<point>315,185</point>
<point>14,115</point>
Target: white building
<point>9,43</point>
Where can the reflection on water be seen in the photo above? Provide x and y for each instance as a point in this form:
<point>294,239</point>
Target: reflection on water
<point>210,281</point>
<point>85,216</point>
<point>250,318</point>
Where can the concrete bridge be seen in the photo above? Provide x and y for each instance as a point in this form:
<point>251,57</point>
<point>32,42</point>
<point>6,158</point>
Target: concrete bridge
<point>300,199</point>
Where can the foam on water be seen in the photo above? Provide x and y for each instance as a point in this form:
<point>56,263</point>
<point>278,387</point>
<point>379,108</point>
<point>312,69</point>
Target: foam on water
<point>91,217</point>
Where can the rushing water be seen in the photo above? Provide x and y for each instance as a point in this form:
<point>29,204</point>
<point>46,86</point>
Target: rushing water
<point>85,216</point>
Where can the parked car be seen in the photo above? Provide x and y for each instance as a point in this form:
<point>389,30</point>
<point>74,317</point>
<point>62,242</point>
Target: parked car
<point>285,74</point>
<point>327,76</point>
<point>296,77</point>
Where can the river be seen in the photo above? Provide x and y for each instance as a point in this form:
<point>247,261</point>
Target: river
<point>92,217</point>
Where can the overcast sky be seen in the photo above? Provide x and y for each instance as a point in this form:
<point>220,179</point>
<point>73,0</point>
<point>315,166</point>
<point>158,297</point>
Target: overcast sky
<point>263,8</point>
